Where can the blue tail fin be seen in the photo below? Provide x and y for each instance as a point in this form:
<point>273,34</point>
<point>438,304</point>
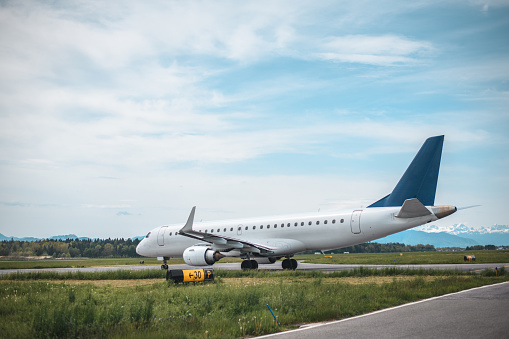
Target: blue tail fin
<point>420,178</point>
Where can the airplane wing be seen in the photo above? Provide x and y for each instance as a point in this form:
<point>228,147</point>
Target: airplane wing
<point>221,241</point>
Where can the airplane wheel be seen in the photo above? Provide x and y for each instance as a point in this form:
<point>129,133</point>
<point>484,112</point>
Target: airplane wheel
<point>286,264</point>
<point>249,265</point>
<point>246,265</point>
<point>164,267</point>
<point>294,264</point>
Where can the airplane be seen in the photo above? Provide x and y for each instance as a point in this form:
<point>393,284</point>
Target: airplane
<point>267,239</point>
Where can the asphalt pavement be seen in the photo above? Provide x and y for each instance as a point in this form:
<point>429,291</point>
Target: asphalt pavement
<point>476,313</point>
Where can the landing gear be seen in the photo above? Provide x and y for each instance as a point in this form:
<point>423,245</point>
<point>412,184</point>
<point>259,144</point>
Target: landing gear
<point>249,265</point>
<point>164,266</point>
<point>290,264</point>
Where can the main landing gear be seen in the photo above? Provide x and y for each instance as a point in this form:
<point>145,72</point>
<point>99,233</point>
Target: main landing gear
<point>249,265</point>
<point>290,264</point>
<point>164,266</point>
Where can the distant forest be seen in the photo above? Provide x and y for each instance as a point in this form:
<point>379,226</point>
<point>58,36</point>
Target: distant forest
<point>120,248</point>
<point>71,248</point>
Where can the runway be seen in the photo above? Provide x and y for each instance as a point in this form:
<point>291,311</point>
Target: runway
<point>476,313</point>
<point>276,266</point>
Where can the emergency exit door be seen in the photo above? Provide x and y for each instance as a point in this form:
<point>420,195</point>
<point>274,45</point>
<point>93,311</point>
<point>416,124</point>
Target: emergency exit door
<point>355,222</point>
<point>160,235</point>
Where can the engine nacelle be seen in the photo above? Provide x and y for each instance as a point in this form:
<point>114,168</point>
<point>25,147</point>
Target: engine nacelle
<point>200,256</point>
<point>265,260</point>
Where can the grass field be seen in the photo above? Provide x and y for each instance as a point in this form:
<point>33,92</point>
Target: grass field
<point>353,258</point>
<point>232,306</point>
<point>417,258</point>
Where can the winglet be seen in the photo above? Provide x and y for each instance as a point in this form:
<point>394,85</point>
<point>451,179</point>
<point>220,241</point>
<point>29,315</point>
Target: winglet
<point>189,224</point>
<point>412,208</point>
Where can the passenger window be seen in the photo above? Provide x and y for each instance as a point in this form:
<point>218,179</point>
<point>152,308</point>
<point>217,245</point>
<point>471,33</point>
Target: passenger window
<point>295,224</point>
<point>254,227</point>
<point>170,233</point>
<point>275,226</point>
<point>302,223</point>
<point>224,229</point>
<point>246,228</point>
<point>342,220</point>
<point>318,222</point>
<point>288,225</point>
<point>268,226</point>
<point>309,223</point>
<point>325,222</point>
<point>218,230</point>
<point>261,227</point>
<point>238,229</point>
<point>231,229</point>
<point>333,221</point>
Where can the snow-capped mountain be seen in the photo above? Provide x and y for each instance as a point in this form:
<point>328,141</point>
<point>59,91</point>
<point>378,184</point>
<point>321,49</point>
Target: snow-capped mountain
<point>444,236</point>
<point>462,229</point>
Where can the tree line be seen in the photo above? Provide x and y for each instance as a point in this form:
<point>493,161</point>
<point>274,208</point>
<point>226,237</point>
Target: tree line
<point>71,248</point>
<point>374,247</point>
<point>481,248</point>
<point>126,248</point>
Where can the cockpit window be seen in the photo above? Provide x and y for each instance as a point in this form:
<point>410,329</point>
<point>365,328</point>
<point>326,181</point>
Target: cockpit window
<point>147,235</point>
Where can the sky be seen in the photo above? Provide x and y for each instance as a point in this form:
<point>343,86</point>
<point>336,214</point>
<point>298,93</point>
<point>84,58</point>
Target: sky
<point>120,116</point>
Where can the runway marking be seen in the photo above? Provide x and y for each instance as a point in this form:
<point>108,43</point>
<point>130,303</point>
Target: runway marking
<point>305,327</point>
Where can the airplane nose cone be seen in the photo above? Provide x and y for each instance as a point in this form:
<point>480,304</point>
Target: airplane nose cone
<point>139,248</point>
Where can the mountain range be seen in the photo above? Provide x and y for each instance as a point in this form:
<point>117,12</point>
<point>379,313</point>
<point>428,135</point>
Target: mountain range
<point>457,235</point>
<point>56,237</point>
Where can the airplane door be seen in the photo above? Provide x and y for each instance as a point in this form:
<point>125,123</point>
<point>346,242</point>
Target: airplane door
<point>355,222</point>
<point>160,235</point>
<point>239,230</point>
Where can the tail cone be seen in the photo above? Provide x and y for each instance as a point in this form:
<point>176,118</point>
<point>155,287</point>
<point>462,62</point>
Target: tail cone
<point>443,211</point>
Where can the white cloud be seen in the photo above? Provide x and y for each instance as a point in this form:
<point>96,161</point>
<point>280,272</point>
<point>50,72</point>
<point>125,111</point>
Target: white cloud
<point>374,50</point>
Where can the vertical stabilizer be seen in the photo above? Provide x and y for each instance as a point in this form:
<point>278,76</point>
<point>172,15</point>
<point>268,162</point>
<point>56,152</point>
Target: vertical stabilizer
<point>420,178</point>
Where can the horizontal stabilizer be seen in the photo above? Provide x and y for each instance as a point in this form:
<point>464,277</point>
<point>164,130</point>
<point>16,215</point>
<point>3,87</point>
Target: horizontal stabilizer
<point>412,208</point>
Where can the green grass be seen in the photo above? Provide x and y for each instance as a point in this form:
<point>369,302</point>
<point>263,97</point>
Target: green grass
<point>7,263</point>
<point>417,258</point>
<point>160,274</point>
<point>72,263</point>
<point>231,307</point>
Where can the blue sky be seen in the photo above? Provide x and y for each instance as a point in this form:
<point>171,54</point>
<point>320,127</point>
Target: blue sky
<point>119,116</point>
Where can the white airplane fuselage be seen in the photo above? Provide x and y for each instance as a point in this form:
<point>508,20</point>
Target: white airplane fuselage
<point>317,231</point>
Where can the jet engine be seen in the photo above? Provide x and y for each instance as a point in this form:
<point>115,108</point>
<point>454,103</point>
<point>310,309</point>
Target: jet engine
<point>201,256</point>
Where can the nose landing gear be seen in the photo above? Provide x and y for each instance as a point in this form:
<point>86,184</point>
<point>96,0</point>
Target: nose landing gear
<point>164,266</point>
